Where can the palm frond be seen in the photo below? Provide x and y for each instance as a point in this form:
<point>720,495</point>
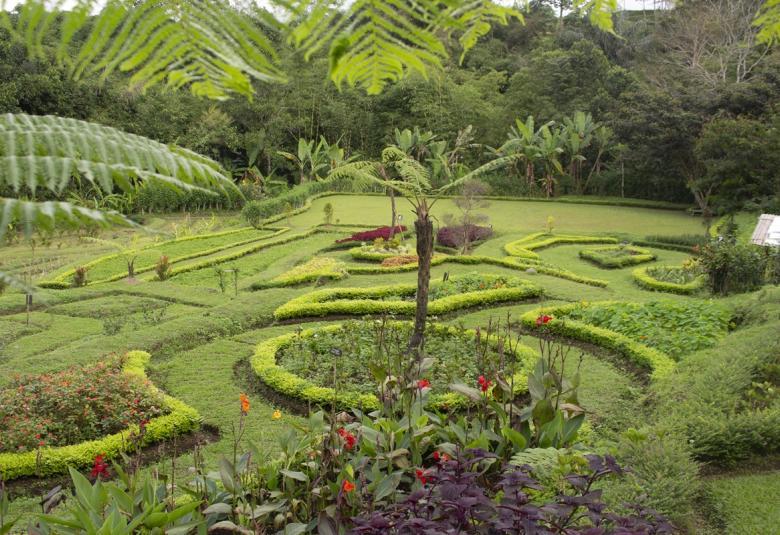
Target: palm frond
<point>207,45</point>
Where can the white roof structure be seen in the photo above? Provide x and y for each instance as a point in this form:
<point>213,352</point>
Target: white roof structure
<point>767,230</point>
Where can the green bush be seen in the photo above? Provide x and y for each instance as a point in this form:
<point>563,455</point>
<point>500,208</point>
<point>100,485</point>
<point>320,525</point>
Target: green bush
<point>318,268</point>
<point>396,299</point>
<point>265,365</point>
<point>733,267</point>
<point>674,327</point>
<point>46,461</point>
<point>722,399</point>
<point>617,256</point>
<point>657,363</point>
<point>670,279</point>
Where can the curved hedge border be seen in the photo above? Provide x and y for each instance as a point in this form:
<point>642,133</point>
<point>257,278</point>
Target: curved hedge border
<point>319,267</point>
<point>511,263</point>
<point>360,301</point>
<point>525,247</point>
<point>358,253</point>
<point>50,461</point>
<point>597,256</point>
<point>646,281</point>
<point>291,385</point>
<point>62,281</point>
<point>659,364</point>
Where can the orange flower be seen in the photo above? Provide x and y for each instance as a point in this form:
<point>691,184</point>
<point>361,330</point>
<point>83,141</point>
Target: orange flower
<point>244,403</point>
<point>347,486</point>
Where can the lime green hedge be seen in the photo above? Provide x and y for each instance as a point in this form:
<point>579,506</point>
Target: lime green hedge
<point>64,280</point>
<point>319,267</point>
<point>361,301</point>
<point>180,419</point>
<point>291,385</point>
<point>365,254</point>
<point>525,246</point>
<point>657,363</point>
<point>643,278</point>
<point>630,257</point>
<point>511,263</point>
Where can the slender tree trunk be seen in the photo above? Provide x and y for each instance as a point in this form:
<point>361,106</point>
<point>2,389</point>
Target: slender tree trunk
<point>394,213</point>
<point>423,227</point>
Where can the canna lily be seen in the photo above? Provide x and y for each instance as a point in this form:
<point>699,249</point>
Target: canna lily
<point>244,403</point>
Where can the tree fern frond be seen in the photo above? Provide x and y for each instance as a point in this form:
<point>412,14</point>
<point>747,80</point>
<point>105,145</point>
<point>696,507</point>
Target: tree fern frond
<point>768,21</point>
<point>475,18</point>
<point>44,215</point>
<point>493,165</point>
<point>47,151</point>
<point>599,12</point>
<point>204,44</point>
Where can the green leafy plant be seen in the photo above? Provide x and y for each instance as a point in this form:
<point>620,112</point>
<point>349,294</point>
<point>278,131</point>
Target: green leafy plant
<point>327,212</point>
<point>163,268</point>
<point>733,267</point>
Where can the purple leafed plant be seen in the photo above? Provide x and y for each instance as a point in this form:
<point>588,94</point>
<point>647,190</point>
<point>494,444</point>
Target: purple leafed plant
<point>457,497</point>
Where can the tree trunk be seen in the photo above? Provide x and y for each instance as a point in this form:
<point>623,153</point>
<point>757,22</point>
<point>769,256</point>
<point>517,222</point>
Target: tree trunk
<point>394,214</point>
<point>423,227</point>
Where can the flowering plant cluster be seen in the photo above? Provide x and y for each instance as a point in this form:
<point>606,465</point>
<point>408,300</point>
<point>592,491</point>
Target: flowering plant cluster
<point>400,260</point>
<point>370,235</point>
<point>457,236</point>
<point>72,406</point>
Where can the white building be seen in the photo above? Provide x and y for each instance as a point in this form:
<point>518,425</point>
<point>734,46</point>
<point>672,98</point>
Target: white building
<point>767,230</point>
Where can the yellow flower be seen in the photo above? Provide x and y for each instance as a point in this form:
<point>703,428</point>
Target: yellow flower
<point>277,415</point>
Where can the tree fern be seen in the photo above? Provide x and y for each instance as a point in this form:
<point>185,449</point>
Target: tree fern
<point>204,44</point>
<point>769,21</point>
<point>46,152</point>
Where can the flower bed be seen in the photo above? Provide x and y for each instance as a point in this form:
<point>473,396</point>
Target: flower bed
<point>321,267</point>
<point>617,256</point>
<point>657,363</point>
<point>525,247</point>
<point>670,279</point>
<point>457,293</point>
<point>300,365</point>
<point>454,236</point>
<point>385,233</point>
<point>379,252</point>
<point>101,424</point>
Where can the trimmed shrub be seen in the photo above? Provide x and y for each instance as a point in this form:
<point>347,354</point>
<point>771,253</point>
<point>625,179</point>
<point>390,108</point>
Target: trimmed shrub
<point>670,279</point>
<point>265,365</point>
<point>321,267</point>
<point>454,236</point>
<point>399,299</point>
<point>525,246</point>
<point>371,235</point>
<point>45,461</point>
<point>617,256</point>
<point>401,260</point>
<point>657,363</point>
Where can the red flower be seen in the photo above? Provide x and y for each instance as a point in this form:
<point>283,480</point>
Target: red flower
<point>440,457</point>
<point>347,486</point>
<point>484,384</point>
<point>421,477</point>
<point>349,438</point>
<point>436,455</point>
<point>544,319</point>
<point>99,467</point>
<point>423,383</point>
<point>244,399</point>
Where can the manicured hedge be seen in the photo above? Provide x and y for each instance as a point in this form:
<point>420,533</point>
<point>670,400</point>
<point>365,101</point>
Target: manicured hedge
<point>291,385</point>
<point>64,280</point>
<point>365,254</point>
<point>361,301</point>
<point>632,256</point>
<point>659,364</point>
<point>644,279</point>
<point>511,263</point>
<point>525,246</point>
<point>320,267</point>
<point>180,419</point>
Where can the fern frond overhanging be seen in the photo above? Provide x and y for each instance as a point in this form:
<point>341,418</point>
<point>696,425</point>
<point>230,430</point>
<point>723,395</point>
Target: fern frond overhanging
<point>207,45</point>
<point>48,152</point>
<point>375,42</point>
<point>768,21</point>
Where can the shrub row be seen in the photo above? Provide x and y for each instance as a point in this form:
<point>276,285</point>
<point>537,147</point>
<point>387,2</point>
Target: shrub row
<point>154,196</point>
<point>291,385</point>
<point>64,280</point>
<point>516,264</point>
<point>315,269</point>
<point>664,245</point>
<point>525,246</point>
<point>371,235</point>
<point>361,301</point>
<point>658,363</point>
<point>631,256</point>
<point>643,278</point>
<point>180,419</point>
<point>368,255</point>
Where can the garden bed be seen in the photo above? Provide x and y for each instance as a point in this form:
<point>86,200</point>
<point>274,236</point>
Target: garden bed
<point>446,296</point>
<point>525,247</point>
<point>114,409</point>
<point>670,279</point>
<point>331,365</point>
<point>617,256</point>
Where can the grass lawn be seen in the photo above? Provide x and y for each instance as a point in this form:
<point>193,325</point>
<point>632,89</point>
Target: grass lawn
<point>200,337</point>
<point>745,504</point>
